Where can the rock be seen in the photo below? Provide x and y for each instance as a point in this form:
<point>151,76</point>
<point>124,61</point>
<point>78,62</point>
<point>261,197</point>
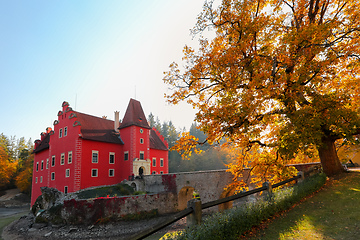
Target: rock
<point>38,225</point>
<point>72,230</point>
<point>48,234</point>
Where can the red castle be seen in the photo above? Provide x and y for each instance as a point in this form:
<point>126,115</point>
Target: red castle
<point>84,151</point>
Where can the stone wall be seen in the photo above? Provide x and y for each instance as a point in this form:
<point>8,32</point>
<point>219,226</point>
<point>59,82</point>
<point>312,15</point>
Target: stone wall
<point>92,211</point>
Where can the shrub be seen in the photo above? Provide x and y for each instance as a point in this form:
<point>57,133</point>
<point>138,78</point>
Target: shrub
<point>234,222</point>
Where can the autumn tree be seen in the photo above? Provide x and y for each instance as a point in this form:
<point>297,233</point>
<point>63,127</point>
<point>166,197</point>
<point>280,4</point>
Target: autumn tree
<point>7,168</point>
<point>23,179</point>
<point>278,79</point>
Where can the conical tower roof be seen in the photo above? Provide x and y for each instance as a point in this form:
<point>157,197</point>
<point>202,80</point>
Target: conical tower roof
<point>134,115</point>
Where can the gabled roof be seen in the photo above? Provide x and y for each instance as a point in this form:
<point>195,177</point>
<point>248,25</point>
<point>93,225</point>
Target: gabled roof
<point>98,129</point>
<point>134,115</point>
<point>155,141</point>
<point>44,144</point>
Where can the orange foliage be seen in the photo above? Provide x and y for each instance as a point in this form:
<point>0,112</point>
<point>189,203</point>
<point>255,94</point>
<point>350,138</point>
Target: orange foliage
<point>280,80</point>
<point>7,168</point>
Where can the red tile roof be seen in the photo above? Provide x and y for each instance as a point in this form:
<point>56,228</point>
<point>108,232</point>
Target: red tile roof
<point>98,129</point>
<point>155,141</point>
<point>44,144</point>
<point>134,115</point>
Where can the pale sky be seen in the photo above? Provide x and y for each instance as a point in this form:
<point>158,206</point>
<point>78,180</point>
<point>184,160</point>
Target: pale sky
<point>96,55</point>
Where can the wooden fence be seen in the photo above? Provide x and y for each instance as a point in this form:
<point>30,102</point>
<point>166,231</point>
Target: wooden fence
<point>195,207</point>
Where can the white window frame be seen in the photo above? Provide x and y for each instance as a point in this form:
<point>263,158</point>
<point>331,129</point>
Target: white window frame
<point>41,179</point>
<point>65,131</point>
<point>52,176</point>
<point>113,171</point>
<point>97,156</point>
<point>141,152</point>
<point>92,171</point>
<point>161,162</point>
<point>60,133</point>
<point>42,165</point>
<point>111,154</point>
<point>69,157</point>
<point>66,189</point>
<point>47,163</point>
<point>37,166</point>
<point>62,159</point>
<point>53,161</point>
<point>154,172</point>
<point>67,172</point>
<point>36,180</point>
<point>154,162</point>
<point>161,172</point>
<point>141,141</point>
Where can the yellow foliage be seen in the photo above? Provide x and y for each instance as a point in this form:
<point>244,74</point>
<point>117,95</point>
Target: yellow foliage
<point>280,80</point>
<point>7,168</point>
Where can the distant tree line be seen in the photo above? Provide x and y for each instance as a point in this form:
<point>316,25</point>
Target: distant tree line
<point>16,163</point>
<point>211,158</point>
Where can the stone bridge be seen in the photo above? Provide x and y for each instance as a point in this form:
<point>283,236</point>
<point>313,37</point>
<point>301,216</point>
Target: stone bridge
<point>211,185</point>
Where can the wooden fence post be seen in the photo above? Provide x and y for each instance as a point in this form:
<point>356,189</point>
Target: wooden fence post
<point>195,217</point>
<point>269,189</point>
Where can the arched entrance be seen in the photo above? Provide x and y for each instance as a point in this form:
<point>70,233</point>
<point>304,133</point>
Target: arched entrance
<point>141,171</point>
<point>185,194</point>
<point>133,185</point>
<point>224,194</point>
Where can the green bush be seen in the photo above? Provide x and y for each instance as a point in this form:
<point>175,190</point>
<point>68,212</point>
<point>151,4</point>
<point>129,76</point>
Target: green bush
<point>232,223</point>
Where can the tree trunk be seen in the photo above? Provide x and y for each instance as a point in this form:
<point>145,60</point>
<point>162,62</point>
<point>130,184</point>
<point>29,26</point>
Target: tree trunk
<point>329,158</point>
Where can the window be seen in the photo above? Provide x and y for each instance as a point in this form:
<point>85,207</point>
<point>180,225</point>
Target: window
<point>69,157</point>
<point>141,155</point>
<point>47,163</point>
<point>53,161</point>
<point>111,172</point>
<point>95,155</point>
<point>66,189</point>
<point>141,131</point>
<point>37,166</point>
<point>154,162</point>
<point>141,140</point>
<point>126,156</point>
<point>94,172</point>
<point>53,176</point>
<point>62,159</point>
<point>41,179</point>
<point>60,133</point>
<point>161,162</point>
<point>153,172</point>
<point>65,131</point>
<point>36,180</point>
<point>67,173</point>
<point>161,172</point>
<point>42,165</point>
<point>111,158</point>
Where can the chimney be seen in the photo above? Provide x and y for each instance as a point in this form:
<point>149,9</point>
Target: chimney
<point>116,122</point>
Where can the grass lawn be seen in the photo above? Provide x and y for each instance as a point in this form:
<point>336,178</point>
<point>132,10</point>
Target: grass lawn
<point>7,220</point>
<point>332,213</point>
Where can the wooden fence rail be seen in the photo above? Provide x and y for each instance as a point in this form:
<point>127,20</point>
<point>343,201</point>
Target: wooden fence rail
<point>191,209</point>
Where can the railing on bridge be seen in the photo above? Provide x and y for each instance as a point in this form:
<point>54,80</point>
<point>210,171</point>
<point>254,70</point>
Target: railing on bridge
<point>195,207</point>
